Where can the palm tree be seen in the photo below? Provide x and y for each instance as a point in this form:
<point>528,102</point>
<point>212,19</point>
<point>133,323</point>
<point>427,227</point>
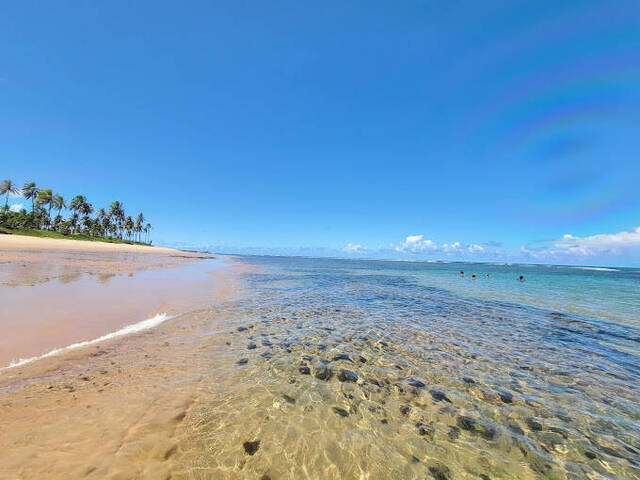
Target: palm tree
<point>29,191</point>
<point>80,205</point>
<point>86,209</point>
<point>98,226</point>
<point>74,221</point>
<point>129,226</point>
<point>116,212</point>
<point>139,222</point>
<point>58,203</point>
<point>45,197</point>
<point>147,229</point>
<point>7,187</point>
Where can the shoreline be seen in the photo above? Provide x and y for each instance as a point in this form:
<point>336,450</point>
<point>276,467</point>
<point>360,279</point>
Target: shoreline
<point>57,293</point>
<point>113,406</point>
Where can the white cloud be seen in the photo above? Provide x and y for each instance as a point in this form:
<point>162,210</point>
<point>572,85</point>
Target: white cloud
<point>16,207</point>
<point>602,244</point>
<point>352,248</point>
<point>416,244</point>
<point>451,247</point>
<point>475,248</point>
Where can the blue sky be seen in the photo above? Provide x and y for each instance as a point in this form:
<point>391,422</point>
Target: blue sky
<point>490,129</point>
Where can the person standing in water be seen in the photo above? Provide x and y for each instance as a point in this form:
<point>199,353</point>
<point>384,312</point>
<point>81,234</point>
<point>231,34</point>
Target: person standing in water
<point>473,277</point>
<point>461,273</point>
<point>521,278</point>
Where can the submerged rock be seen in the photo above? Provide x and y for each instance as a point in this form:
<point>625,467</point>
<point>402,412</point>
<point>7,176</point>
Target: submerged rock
<point>323,373</point>
<point>439,396</point>
<point>506,397</point>
<point>304,370</point>
<point>347,376</point>
<point>242,361</point>
<point>533,424</point>
<point>251,346</point>
<point>440,471</point>
<point>251,447</point>
<point>516,429</point>
<point>341,356</point>
<point>425,430</point>
<point>468,380</point>
<point>289,399</point>
<point>416,383</point>
<point>590,454</point>
<point>467,423</point>
<point>454,433</point>
<point>341,411</point>
<point>405,409</point>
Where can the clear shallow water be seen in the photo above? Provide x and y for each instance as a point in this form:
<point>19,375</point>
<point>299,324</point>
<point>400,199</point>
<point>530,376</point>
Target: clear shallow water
<point>359,369</point>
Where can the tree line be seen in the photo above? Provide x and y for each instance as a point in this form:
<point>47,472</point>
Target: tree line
<point>82,218</point>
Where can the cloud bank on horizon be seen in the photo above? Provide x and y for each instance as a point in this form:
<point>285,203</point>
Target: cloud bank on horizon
<point>605,247</point>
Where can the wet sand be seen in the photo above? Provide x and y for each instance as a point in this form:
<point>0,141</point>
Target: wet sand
<point>113,409</point>
<point>54,297</point>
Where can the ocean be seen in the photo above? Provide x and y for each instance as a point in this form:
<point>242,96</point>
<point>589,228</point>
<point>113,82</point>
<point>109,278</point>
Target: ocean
<point>384,369</point>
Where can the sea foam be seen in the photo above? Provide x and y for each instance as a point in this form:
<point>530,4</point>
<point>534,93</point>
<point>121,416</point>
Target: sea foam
<point>136,327</point>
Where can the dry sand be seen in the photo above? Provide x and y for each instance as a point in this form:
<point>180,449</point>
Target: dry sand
<point>25,242</point>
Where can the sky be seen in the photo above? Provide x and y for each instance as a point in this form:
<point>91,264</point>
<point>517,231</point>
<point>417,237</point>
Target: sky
<point>452,130</point>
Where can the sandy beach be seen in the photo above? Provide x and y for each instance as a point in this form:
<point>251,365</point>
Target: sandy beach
<point>23,242</point>
<point>111,409</point>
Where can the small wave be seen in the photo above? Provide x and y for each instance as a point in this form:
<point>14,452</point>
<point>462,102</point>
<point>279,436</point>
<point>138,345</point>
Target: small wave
<point>136,327</point>
<point>598,269</point>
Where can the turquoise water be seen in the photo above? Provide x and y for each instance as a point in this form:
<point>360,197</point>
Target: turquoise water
<point>375,369</point>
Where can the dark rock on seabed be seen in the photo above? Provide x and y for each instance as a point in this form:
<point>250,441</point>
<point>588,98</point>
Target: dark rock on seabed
<point>304,370</point>
<point>506,397</point>
<point>242,361</point>
<point>347,376</point>
<point>251,447</point>
<point>341,411</point>
<point>440,471</point>
<point>439,396</point>
<point>467,423</point>
<point>323,373</point>
<point>425,430</point>
<point>533,424</point>
<point>341,356</point>
<point>416,383</point>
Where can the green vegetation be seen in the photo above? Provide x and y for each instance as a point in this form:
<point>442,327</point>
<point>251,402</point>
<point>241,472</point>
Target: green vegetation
<point>111,225</point>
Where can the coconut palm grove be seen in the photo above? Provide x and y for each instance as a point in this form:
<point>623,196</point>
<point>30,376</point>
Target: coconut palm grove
<point>82,220</point>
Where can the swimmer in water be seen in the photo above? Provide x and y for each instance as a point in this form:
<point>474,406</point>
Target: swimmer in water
<point>521,278</point>
<point>473,277</point>
<point>488,275</point>
<point>461,273</point>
